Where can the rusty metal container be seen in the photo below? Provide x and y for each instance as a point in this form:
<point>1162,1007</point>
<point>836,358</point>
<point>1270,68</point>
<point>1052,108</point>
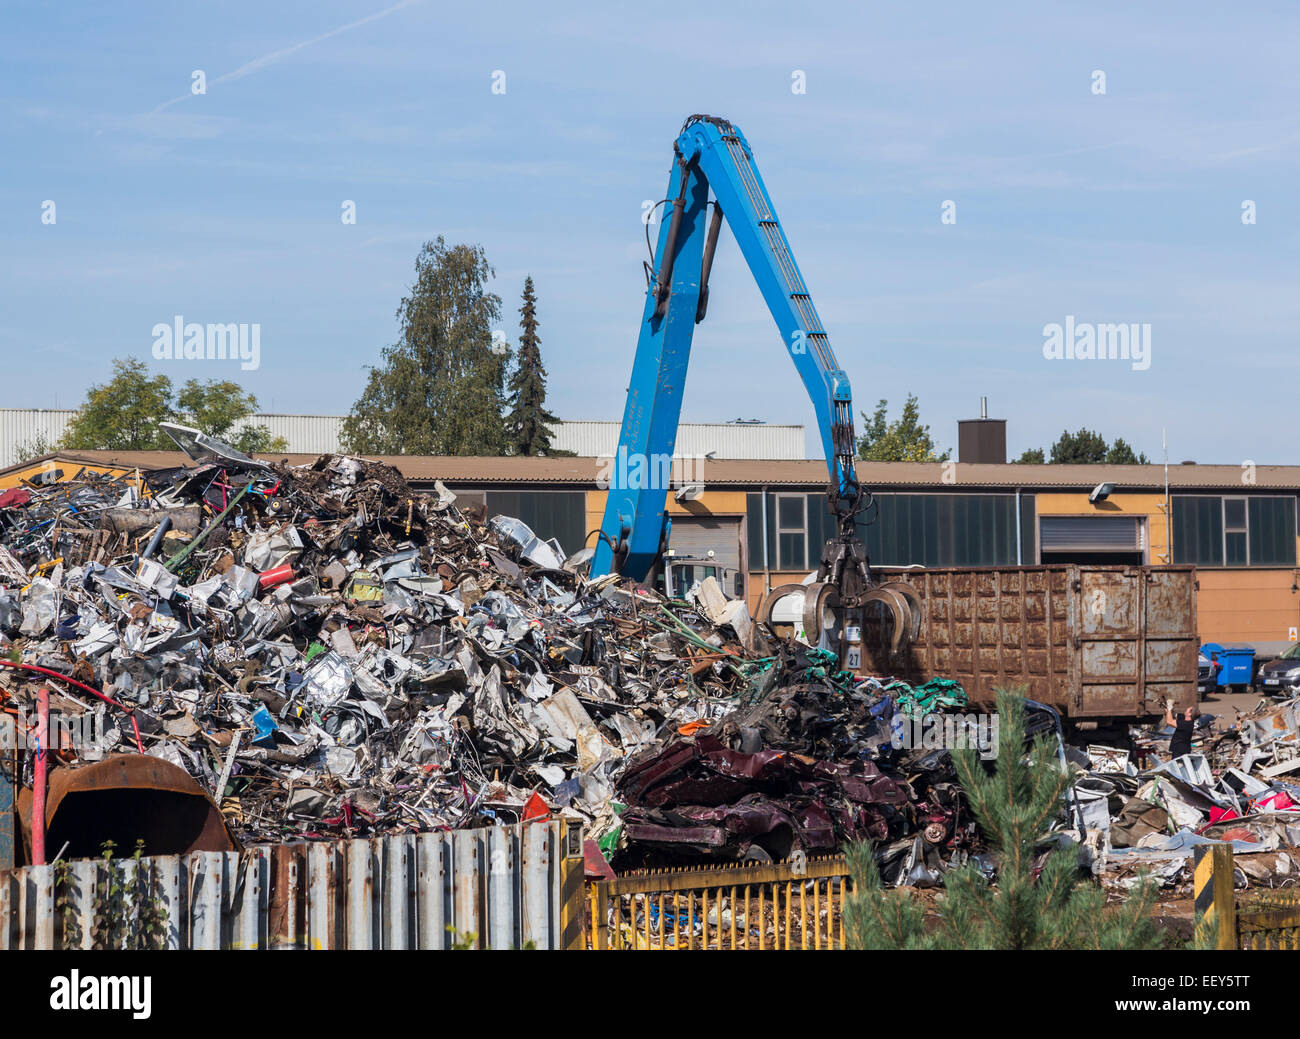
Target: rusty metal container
<point>1092,641</point>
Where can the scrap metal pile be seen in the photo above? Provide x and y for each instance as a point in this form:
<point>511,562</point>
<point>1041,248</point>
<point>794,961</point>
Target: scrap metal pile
<point>809,760</point>
<point>322,651</point>
<point>355,657</point>
<point>1146,812</point>
<point>326,652</point>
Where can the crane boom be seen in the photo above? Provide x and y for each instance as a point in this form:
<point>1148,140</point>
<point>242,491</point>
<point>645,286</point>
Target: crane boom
<point>712,154</point>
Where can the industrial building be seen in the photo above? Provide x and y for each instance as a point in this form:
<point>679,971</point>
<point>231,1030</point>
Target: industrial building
<point>759,523</point>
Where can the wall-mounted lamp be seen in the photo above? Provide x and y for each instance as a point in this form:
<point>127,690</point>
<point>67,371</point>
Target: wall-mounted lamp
<point>1101,492</point>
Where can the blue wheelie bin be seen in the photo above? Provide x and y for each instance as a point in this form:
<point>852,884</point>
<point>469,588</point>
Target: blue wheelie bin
<point>1236,664</point>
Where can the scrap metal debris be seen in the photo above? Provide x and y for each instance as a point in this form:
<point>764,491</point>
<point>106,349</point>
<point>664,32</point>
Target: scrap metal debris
<point>328,652</point>
<point>1146,812</point>
<point>323,651</point>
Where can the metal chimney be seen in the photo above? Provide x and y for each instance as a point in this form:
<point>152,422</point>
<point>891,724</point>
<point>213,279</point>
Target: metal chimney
<point>982,439</point>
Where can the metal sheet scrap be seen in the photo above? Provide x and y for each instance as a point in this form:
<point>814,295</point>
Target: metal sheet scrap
<point>326,652</point>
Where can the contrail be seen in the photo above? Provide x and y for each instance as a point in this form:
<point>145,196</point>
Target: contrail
<point>274,56</point>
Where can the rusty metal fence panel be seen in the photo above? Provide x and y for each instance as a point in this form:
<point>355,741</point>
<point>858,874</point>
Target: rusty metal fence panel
<point>497,887</point>
<point>790,905</point>
<point>1269,920</point>
<point>1249,920</point>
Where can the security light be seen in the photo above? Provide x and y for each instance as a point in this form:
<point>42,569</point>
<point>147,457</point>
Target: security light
<point>1101,492</point>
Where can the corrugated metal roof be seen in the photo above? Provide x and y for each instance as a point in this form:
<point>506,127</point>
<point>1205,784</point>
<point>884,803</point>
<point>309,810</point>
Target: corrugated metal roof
<point>468,471</point>
<point>694,439</point>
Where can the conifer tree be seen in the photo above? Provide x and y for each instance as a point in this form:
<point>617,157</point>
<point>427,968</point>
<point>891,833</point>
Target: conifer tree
<point>528,423</point>
<point>1014,806</point>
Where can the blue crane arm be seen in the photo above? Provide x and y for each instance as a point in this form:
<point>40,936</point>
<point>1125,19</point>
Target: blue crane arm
<point>712,153</point>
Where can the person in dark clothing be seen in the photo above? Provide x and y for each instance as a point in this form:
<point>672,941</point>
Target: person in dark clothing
<point>1181,743</point>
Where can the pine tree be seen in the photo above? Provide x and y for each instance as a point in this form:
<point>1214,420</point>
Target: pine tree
<point>527,424</point>
<point>1014,807</point>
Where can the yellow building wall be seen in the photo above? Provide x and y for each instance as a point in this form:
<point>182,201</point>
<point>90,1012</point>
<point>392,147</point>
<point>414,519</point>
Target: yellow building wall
<point>755,590</point>
<point>710,503</point>
<point>1246,605</point>
<point>70,469</point>
<point>1233,605</point>
<point>1152,506</point>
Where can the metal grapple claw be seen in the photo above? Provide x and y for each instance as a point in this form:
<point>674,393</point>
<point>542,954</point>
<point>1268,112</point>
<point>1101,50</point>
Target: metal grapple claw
<point>904,606</point>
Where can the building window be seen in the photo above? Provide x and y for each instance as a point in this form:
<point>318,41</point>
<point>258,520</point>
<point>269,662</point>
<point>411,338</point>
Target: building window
<point>1236,546</point>
<point>1092,539</point>
<point>792,531</point>
<point>1210,530</point>
<point>953,529</point>
<point>1271,531</point>
<point>941,530</point>
<point>551,514</point>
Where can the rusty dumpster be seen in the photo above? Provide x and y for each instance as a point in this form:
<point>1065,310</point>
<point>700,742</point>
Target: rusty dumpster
<point>1092,641</point>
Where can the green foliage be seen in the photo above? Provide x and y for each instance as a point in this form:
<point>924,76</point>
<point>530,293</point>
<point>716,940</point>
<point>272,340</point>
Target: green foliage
<point>258,439</point>
<point>38,446</point>
<point>1015,806</point>
<point>527,424</point>
<point>123,414</point>
<point>128,910</point>
<point>1205,934</point>
<point>1120,453</point>
<point>1086,448</point>
<point>462,941</point>
<point>214,407</point>
<point>1081,448</point>
<point>904,440</point>
<point>440,389</point>
<point>66,895</point>
<point>877,918</point>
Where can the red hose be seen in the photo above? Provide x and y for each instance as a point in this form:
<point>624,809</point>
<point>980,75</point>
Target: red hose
<point>80,685</point>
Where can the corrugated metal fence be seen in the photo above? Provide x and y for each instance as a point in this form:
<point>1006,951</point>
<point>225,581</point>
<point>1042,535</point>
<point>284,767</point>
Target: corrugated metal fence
<point>305,434</point>
<point>21,428</point>
<point>501,887</point>
<point>319,434</point>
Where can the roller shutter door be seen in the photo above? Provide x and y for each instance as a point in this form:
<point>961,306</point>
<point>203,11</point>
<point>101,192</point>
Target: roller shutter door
<point>1091,534</point>
<point>694,536</point>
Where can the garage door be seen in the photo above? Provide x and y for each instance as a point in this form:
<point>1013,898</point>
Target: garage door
<point>1090,534</point>
<point>693,537</point>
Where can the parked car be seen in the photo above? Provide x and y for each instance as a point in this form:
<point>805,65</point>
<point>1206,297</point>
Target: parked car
<point>1206,670</point>
<point>1281,677</point>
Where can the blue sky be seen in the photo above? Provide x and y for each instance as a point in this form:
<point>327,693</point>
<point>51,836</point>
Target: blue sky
<point>1122,207</point>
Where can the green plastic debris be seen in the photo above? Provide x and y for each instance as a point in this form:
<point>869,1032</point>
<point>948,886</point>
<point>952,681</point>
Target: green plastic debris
<point>923,699</point>
<point>610,842</point>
